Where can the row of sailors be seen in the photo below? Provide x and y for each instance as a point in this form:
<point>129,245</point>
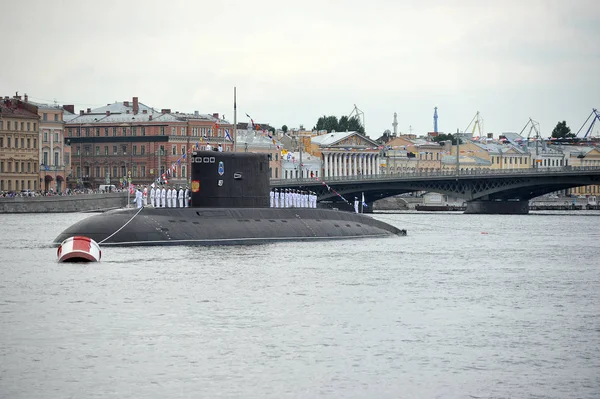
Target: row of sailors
<point>168,197</point>
<point>288,198</point>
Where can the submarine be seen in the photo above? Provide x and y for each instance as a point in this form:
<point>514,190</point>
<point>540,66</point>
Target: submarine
<point>230,205</point>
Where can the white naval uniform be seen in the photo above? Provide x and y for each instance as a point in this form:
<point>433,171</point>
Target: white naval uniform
<point>356,205</point>
<point>272,199</point>
<point>138,198</point>
<point>277,196</point>
<point>152,196</point>
<point>163,195</point>
<point>145,196</point>
<point>169,195</point>
<point>180,197</point>
<point>187,197</point>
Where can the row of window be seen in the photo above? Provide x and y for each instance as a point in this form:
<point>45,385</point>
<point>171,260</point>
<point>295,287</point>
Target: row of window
<point>14,125</point>
<point>118,172</point>
<point>115,150</point>
<point>45,139</point>
<point>45,117</point>
<point>19,167</point>
<point>23,141</point>
<point>7,185</point>
<point>133,131</point>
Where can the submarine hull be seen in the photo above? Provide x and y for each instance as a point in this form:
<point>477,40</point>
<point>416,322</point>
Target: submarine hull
<point>224,226</point>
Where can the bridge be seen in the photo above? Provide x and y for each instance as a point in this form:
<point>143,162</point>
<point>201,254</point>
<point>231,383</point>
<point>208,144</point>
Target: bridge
<point>505,191</point>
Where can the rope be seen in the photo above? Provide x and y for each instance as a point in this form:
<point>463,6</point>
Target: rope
<point>121,228</point>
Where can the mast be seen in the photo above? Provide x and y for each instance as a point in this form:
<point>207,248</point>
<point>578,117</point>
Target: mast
<point>234,120</point>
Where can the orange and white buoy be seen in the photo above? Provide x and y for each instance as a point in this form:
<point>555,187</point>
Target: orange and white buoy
<point>79,249</point>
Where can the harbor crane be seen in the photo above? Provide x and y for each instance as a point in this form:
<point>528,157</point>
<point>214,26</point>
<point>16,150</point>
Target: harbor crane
<point>358,114</point>
<point>533,127</point>
<point>477,123</point>
<point>596,117</point>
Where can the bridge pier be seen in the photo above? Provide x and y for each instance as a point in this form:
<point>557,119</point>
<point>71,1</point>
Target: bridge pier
<point>498,207</point>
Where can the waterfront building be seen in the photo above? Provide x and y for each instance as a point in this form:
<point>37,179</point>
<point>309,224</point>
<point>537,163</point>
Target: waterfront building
<point>344,154</point>
<point>19,150</point>
<point>583,157</point>
<point>291,167</point>
<point>129,139</point>
<point>409,155</point>
<point>54,164</point>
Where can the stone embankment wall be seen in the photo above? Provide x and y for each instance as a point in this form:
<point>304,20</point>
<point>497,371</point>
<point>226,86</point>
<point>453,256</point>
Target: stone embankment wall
<point>63,203</point>
<point>397,203</point>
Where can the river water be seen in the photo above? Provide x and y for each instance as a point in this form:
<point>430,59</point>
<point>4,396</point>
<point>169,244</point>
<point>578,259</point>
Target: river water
<point>465,306</point>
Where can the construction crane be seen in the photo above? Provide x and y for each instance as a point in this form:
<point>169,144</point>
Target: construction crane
<point>477,123</point>
<point>358,113</point>
<point>596,117</point>
<point>535,127</point>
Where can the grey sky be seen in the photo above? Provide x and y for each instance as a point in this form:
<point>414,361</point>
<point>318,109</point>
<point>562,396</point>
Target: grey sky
<point>293,62</point>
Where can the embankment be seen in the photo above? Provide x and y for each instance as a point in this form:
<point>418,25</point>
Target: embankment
<point>63,203</point>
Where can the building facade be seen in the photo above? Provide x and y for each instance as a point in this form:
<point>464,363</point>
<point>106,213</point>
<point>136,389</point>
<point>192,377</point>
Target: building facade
<point>130,140</point>
<point>19,147</point>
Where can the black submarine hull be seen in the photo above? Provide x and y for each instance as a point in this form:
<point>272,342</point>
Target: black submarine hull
<point>224,226</point>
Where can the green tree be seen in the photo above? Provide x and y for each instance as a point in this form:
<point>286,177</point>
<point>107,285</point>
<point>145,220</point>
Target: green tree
<point>284,128</point>
<point>445,137</point>
<point>562,131</point>
<point>330,123</point>
<point>271,129</point>
<point>354,124</point>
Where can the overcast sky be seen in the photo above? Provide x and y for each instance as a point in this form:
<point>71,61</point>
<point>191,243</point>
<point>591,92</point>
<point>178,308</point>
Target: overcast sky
<point>295,61</point>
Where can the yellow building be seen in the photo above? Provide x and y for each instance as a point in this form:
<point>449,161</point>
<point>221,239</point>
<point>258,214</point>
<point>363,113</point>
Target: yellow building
<point>585,157</point>
<point>19,156</point>
<point>408,155</point>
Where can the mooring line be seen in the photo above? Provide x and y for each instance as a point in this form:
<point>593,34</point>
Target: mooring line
<point>121,228</point>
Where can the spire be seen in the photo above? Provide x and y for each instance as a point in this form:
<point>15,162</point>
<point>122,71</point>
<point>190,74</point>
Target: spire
<point>395,124</point>
<point>435,118</point>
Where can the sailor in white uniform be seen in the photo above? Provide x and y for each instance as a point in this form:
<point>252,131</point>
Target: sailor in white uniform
<point>276,200</point>
<point>169,197</point>
<point>272,198</point>
<point>208,147</point>
<point>180,197</point>
<point>163,196</point>
<point>145,196</point>
<point>356,204</point>
<point>138,198</point>
<point>186,196</point>
<point>152,195</point>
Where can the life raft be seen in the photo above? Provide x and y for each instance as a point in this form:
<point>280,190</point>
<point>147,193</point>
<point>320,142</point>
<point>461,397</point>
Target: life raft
<point>79,249</point>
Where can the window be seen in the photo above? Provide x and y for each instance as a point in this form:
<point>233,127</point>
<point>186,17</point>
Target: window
<point>115,152</point>
<point>28,167</point>
<point>1,142</point>
<point>1,125</point>
<point>87,150</point>
<point>135,150</point>
<point>97,150</point>
<point>22,126</point>
<point>97,132</point>
<point>28,143</point>
<point>194,131</point>
<point>45,157</point>
<point>143,132</point>
<point>183,171</point>
<point>45,137</point>
<point>174,150</point>
<point>1,166</point>
<point>70,132</point>
<point>16,143</point>
<point>45,116</point>
<point>124,131</point>
<point>114,171</point>
<point>67,157</point>
<point>105,132</point>
<point>55,117</point>
<point>162,150</point>
<point>56,161</point>
<point>7,125</point>
<point>87,132</point>
<point>56,137</point>
<point>79,171</point>
<point>134,131</point>
<point>16,167</point>
<point>114,132</point>
<point>183,131</point>
<point>162,130</point>
<point>22,143</point>
<point>79,132</point>
<point>9,167</point>
<point>124,148</point>
<point>173,131</point>
<point>8,142</point>
<point>134,172</point>
<point>34,125</point>
<point>78,152</point>
<point>106,170</point>
<point>182,149</point>
<point>97,171</point>
<point>143,150</point>
<point>142,171</point>
<point>28,125</point>
<point>105,150</point>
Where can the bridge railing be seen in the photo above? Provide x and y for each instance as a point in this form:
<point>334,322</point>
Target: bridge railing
<point>419,174</point>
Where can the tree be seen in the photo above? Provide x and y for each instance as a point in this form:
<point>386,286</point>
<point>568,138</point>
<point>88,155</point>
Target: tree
<point>444,137</point>
<point>562,131</point>
<point>331,123</point>
<point>271,129</point>
<point>284,128</point>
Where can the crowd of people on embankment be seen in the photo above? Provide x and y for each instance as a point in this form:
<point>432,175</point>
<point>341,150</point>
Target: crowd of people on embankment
<point>51,193</point>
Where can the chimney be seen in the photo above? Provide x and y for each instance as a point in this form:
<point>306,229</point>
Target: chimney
<point>144,111</point>
<point>107,113</point>
<point>165,110</point>
<point>136,106</point>
<point>70,108</point>
<point>89,110</point>
<point>150,118</point>
<point>216,115</point>
<point>126,103</point>
<point>80,112</point>
<point>26,97</point>
<point>196,114</point>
